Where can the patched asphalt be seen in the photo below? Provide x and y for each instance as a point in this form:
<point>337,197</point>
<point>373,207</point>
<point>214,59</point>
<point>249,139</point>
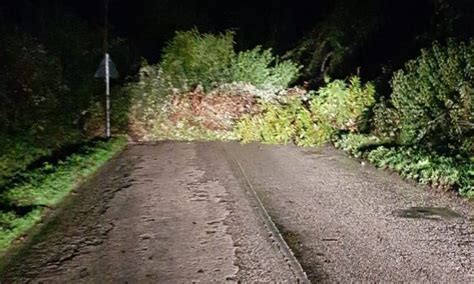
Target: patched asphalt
<point>176,212</point>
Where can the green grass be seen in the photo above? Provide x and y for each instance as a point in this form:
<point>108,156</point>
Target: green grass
<point>23,202</point>
<point>15,156</point>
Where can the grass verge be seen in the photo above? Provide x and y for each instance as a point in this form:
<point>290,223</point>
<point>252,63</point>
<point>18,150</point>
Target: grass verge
<point>24,201</point>
<point>411,162</point>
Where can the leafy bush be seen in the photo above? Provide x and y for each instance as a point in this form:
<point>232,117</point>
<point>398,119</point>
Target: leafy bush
<point>254,67</point>
<point>386,121</point>
<point>433,100</point>
<point>149,96</point>
<point>248,128</point>
<point>278,123</point>
<point>192,59</point>
<point>339,107</point>
<point>342,107</point>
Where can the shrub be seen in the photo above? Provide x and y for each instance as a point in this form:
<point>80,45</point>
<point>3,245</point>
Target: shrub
<point>247,128</point>
<point>278,122</point>
<point>433,99</point>
<point>191,58</point>
<point>284,73</point>
<point>255,67</point>
<point>274,125</point>
<point>339,107</point>
<point>307,131</point>
<point>342,107</point>
<point>386,121</point>
<point>252,66</point>
<point>149,96</point>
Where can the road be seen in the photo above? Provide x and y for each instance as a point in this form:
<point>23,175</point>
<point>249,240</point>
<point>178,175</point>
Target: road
<point>175,212</point>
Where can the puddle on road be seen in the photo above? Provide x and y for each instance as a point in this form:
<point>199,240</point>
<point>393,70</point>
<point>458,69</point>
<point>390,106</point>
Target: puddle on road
<point>431,213</point>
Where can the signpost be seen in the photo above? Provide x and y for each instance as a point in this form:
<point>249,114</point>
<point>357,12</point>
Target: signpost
<point>107,70</point>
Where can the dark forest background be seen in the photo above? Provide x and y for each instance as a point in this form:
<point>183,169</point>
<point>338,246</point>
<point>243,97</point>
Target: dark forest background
<point>50,50</point>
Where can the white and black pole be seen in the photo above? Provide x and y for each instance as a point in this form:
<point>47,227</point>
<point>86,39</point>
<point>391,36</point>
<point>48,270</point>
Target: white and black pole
<point>107,70</point>
<point>107,96</point>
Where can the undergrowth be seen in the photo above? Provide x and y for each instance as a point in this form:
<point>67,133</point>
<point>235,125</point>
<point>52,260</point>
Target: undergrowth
<point>23,202</point>
<point>339,106</point>
<point>411,162</point>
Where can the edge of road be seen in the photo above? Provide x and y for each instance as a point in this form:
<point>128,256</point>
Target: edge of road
<point>18,248</point>
<point>284,248</point>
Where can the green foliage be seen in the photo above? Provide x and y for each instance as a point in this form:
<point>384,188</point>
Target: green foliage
<point>192,59</point>
<point>284,73</point>
<point>248,127</point>
<point>356,144</point>
<point>342,107</point>
<point>339,107</point>
<point>120,109</point>
<point>254,67</point>
<point>433,100</point>
<point>149,96</point>
<point>307,132</point>
<point>16,155</point>
<point>185,130</point>
<point>48,91</point>
<point>151,107</point>
<point>386,121</point>
<point>428,168</point>
<point>446,172</point>
<point>47,186</point>
<point>276,124</point>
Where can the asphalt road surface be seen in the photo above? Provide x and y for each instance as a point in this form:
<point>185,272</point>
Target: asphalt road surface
<point>206,212</point>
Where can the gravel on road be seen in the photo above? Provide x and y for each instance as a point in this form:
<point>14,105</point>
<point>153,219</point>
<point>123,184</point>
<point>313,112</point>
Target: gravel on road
<point>351,222</point>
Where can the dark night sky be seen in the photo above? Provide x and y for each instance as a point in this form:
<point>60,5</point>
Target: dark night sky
<point>401,26</point>
<point>151,23</point>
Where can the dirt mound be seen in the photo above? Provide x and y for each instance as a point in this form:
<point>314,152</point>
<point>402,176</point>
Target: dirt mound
<point>197,115</point>
<point>214,111</point>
